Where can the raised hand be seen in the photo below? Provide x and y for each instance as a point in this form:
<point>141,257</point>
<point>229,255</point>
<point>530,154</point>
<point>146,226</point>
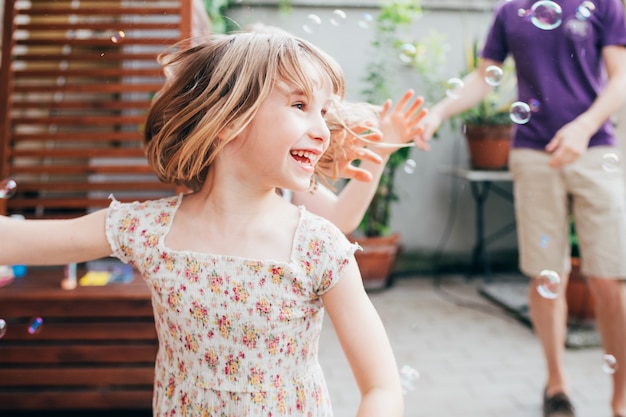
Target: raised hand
<point>399,125</point>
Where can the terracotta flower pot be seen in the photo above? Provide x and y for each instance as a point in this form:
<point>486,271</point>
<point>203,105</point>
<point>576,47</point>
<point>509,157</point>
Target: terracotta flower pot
<point>580,304</point>
<point>488,146</point>
<point>377,259</point>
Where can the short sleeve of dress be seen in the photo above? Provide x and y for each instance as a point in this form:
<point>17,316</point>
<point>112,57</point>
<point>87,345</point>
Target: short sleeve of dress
<point>325,251</point>
<point>122,230</point>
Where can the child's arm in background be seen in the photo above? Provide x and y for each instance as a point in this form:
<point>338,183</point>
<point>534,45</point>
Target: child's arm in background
<point>53,242</point>
<point>365,344</point>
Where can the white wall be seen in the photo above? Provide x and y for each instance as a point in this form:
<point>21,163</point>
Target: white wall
<point>426,195</point>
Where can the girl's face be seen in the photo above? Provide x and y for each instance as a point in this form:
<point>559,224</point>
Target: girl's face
<point>287,136</point>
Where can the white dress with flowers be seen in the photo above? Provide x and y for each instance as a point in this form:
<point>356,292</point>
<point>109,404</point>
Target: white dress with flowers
<point>237,337</point>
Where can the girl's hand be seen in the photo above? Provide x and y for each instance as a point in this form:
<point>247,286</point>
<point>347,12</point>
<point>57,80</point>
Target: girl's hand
<point>356,151</point>
<point>400,124</point>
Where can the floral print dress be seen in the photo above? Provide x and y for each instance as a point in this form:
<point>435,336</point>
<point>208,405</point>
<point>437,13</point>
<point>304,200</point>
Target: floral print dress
<point>237,337</point>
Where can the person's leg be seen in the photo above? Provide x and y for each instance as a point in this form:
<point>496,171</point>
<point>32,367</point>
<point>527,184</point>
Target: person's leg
<point>542,215</point>
<point>600,215</point>
<point>611,323</point>
<point>549,320</point>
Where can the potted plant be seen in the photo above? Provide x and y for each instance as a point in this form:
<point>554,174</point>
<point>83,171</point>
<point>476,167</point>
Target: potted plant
<point>580,305</point>
<point>381,245</point>
<point>487,126</point>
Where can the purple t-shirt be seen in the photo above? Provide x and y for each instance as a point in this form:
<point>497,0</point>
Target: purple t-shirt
<point>561,70</point>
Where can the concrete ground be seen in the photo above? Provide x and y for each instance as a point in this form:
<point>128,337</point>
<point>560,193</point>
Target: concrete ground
<point>473,358</point>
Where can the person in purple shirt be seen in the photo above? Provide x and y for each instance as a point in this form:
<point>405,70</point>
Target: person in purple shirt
<point>573,71</point>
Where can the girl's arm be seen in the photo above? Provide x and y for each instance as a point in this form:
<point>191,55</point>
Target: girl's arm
<point>365,344</point>
<point>346,209</point>
<point>53,242</point>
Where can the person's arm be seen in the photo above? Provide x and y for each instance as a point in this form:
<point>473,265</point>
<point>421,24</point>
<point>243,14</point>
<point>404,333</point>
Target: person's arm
<point>346,209</point>
<point>572,140</point>
<point>365,343</point>
<point>474,89</point>
<point>53,242</point>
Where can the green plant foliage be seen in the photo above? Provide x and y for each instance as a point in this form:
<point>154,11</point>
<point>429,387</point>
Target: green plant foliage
<point>494,109</point>
<point>388,45</point>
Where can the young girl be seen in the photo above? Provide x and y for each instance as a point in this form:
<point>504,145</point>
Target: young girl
<point>240,277</point>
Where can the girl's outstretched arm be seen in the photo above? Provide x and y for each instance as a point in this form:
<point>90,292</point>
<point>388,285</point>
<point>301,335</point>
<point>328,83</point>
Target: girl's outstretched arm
<point>53,242</point>
<point>366,346</point>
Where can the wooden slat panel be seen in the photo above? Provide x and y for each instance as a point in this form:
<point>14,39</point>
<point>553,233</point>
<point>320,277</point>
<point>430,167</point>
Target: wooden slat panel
<point>87,88</point>
<point>42,74</point>
<point>51,399</point>
<point>93,308</point>
<point>75,353</point>
<point>80,169</point>
<point>79,153</point>
<point>79,136</point>
<point>87,330</point>
<point>94,186</point>
<point>87,56</point>
<point>77,377</point>
<point>38,10</point>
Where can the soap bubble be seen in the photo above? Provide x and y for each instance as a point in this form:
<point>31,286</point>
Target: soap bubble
<point>313,22</point>
<point>409,166</point>
<point>585,10</point>
<point>454,87</point>
<point>493,75</point>
<point>548,284</point>
<point>609,364</point>
<point>338,17</point>
<point>7,188</point>
<point>408,51</point>
<point>520,112</point>
<point>366,21</point>
<point>408,376</point>
<point>118,37</point>
<point>534,105</point>
<point>610,162</point>
<point>35,325</point>
<point>544,14</point>
<point>3,328</point>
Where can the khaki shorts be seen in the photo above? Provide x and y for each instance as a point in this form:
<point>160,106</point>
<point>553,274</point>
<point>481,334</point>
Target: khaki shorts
<point>592,191</point>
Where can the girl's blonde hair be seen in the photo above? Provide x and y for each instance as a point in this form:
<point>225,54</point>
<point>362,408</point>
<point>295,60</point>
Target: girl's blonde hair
<point>213,90</point>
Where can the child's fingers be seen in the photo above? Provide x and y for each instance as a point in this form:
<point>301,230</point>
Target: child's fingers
<point>419,101</point>
<point>404,99</point>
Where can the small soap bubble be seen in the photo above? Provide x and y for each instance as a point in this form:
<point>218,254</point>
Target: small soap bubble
<point>544,241</point>
<point>534,105</point>
<point>409,166</point>
<point>408,376</point>
<point>408,51</point>
<point>548,284</point>
<point>35,325</point>
<point>577,29</point>
<point>520,112</point>
<point>313,22</point>
<point>585,10</point>
<point>454,87</point>
<point>366,21</point>
<point>493,75</point>
<point>3,328</point>
<point>118,37</point>
<point>610,162</point>
<point>609,364</point>
<point>7,188</point>
<point>338,17</point>
<point>546,15</point>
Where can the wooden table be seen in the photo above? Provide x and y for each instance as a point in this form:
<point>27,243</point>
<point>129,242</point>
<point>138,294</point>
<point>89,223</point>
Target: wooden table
<point>94,350</point>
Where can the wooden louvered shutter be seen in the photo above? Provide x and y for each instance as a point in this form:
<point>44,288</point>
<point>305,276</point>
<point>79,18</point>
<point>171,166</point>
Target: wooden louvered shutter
<point>77,79</point>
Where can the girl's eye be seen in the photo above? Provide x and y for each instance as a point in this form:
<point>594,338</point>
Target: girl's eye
<point>299,106</point>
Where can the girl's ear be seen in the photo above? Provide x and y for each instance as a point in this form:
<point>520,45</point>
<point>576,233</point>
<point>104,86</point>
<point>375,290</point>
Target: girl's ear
<point>227,132</point>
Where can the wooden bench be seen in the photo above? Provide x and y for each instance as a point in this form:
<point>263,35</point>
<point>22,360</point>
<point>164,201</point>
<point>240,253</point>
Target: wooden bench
<point>95,348</point>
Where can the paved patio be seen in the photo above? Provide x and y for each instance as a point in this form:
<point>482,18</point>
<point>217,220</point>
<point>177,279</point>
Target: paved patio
<point>474,360</point>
